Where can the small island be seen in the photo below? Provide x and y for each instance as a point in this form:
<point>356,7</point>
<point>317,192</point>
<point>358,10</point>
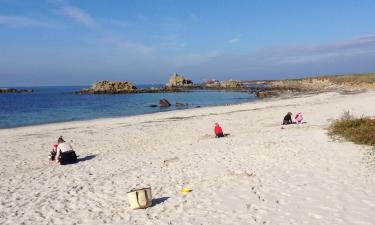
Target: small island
<point>176,83</point>
<point>110,87</point>
<point>14,90</point>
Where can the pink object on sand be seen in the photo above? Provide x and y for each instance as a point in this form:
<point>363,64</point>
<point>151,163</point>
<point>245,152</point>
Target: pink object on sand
<point>299,117</point>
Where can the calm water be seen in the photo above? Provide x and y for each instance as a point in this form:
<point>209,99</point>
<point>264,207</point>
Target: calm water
<point>57,104</point>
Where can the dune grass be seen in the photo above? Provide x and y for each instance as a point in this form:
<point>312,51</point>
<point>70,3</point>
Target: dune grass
<point>358,130</point>
<point>349,79</point>
<point>368,78</point>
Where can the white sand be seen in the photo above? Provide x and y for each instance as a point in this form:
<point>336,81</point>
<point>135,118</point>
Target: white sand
<point>259,174</point>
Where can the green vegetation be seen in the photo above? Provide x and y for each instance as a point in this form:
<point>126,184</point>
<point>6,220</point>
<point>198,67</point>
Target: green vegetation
<point>368,78</point>
<point>349,79</point>
<point>357,130</point>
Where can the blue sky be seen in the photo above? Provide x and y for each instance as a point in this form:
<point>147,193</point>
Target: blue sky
<point>62,42</point>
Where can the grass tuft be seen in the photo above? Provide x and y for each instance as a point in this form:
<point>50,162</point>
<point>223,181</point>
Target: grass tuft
<point>358,130</point>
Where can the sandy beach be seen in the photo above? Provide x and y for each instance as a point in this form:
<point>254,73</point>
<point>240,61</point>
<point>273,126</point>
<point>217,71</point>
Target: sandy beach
<point>259,174</point>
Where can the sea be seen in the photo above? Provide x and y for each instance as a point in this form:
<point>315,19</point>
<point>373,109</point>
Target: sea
<point>59,104</point>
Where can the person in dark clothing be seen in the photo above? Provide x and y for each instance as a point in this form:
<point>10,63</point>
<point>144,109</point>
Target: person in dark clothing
<point>65,153</point>
<point>288,119</point>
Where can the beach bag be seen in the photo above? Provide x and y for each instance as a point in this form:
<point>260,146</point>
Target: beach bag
<point>140,198</point>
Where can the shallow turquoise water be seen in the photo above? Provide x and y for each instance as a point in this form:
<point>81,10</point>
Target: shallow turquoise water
<point>58,104</point>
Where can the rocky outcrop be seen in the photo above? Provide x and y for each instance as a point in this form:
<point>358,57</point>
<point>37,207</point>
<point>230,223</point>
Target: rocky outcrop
<point>113,86</point>
<point>231,84</point>
<point>178,81</point>
<point>267,94</point>
<point>181,104</point>
<point>164,103</point>
<point>14,90</point>
<point>211,83</point>
<point>110,87</point>
<point>122,87</point>
<point>226,84</point>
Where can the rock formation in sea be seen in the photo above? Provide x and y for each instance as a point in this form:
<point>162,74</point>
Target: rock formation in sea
<point>226,84</point>
<point>267,94</point>
<point>123,87</point>
<point>179,81</point>
<point>110,87</point>
<point>213,83</point>
<point>164,103</point>
<point>14,90</point>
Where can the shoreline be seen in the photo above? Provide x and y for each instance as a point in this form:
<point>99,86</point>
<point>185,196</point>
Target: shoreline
<point>119,106</point>
<point>275,98</point>
<point>125,116</point>
<point>259,174</point>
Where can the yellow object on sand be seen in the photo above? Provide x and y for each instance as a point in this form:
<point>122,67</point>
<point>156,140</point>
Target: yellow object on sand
<point>185,190</point>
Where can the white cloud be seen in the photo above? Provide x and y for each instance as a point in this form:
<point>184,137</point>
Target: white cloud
<point>78,15</point>
<point>20,21</point>
<point>349,56</point>
<point>235,39</point>
<point>135,49</point>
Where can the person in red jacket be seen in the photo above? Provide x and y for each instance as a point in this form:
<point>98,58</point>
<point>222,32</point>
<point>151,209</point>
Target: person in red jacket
<point>52,153</point>
<point>218,131</point>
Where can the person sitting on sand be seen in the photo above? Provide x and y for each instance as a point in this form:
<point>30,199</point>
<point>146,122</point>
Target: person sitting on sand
<point>288,119</point>
<point>298,118</point>
<point>65,153</point>
<point>218,131</point>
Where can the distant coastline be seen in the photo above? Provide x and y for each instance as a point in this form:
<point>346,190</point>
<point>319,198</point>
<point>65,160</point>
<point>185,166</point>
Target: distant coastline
<point>261,88</point>
<point>14,91</point>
